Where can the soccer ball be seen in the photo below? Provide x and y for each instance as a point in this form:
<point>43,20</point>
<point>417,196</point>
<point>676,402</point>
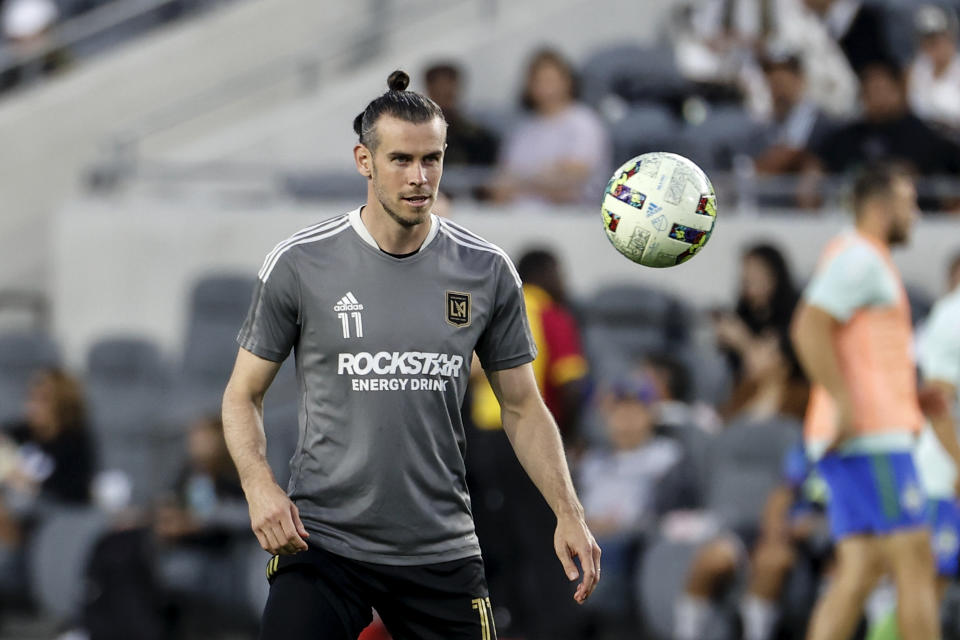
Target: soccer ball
<point>659,209</point>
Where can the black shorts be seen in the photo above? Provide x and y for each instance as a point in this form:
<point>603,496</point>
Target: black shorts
<point>317,595</point>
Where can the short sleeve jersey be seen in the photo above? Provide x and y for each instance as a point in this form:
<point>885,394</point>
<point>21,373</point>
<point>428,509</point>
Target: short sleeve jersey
<point>383,349</point>
<point>939,360</point>
<point>856,277</point>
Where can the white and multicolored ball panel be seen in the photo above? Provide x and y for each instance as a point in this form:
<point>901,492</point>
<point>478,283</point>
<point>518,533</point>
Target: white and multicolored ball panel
<point>659,209</point>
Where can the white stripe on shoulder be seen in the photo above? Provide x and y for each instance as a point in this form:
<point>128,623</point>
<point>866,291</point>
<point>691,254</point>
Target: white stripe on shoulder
<point>316,228</point>
<point>453,226</point>
<point>469,236</point>
<point>490,248</point>
<point>327,232</point>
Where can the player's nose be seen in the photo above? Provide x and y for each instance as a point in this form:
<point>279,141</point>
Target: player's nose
<point>418,175</point>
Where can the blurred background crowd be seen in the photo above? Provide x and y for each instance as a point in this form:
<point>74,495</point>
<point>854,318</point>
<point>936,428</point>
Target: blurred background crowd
<point>679,398</point>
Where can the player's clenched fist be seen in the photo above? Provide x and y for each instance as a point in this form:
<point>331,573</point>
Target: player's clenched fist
<point>276,520</point>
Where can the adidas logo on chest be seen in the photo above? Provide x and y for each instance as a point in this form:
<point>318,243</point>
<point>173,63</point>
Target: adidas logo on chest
<point>348,303</point>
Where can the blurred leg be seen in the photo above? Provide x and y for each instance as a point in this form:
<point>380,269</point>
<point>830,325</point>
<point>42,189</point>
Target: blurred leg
<point>859,565</point>
<point>714,563</point>
<point>911,564</point>
<point>771,562</point>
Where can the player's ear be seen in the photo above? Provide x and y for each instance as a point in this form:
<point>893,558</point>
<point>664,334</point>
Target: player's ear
<point>364,159</point>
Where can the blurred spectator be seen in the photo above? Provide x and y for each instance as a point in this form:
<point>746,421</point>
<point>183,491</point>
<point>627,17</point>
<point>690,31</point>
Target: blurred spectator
<point>792,530</point>
<point>560,152</point>
<point>796,123</point>
<point>27,25</point>
<point>560,366</point>
<point>674,407</point>
<point>934,79</point>
<point>500,490</point>
<point>468,143</point>
<point>716,45</point>
<point>196,526</point>
<point>725,38</point>
<point>618,485</point>
<point>45,458</point>
<point>764,305</point>
<point>888,130</point>
<point>771,382</point>
<point>858,28</point>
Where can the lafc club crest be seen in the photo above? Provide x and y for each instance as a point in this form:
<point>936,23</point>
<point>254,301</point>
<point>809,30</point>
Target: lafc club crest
<point>458,308</point>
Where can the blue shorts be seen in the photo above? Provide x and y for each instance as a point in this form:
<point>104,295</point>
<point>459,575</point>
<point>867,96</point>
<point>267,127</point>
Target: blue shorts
<point>872,494</point>
<point>944,519</point>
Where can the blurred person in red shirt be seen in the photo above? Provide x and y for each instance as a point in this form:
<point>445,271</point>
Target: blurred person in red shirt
<point>560,367</point>
<point>517,566</point>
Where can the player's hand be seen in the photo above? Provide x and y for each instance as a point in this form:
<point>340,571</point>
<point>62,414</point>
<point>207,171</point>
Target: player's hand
<point>276,520</point>
<point>574,540</point>
<point>933,402</point>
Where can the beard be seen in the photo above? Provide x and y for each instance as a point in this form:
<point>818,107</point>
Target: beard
<point>393,207</point>
<point>898,236</point>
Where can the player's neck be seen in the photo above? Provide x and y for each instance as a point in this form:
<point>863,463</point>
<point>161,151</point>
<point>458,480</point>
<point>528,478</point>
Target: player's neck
<point>390,235</point>
<point>875,232</point>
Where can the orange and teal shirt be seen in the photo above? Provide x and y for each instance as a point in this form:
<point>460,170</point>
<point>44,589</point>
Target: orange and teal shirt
<point>857,283</point>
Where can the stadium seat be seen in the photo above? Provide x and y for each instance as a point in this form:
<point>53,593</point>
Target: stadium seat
<point>710,376</point>
<point>218,306</point>
<point>746,463</point>
<point>660,580</point>
<point>644,128</point>
<point>57,558</point>
<point>22,353</point>
<point>633,73</point>
<point>726,132</point>
<point>126,360</point>
<point>319,185</point>
<point>623,323</point>
<point>127,382</point>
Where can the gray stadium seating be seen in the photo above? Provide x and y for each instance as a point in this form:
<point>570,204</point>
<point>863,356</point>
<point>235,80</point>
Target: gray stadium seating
<point>746,462</point>
<point>622,323</point>
<point>21,354</point>
<point>660,581</point>
<point>218,306</point>
<point>644,128</point>
<point>58,555</point>
<point>726,132</point>
<point>126,387</point>
<point>632,72</point>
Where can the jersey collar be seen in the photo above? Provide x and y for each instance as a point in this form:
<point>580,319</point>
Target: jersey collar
<point>364,233</point>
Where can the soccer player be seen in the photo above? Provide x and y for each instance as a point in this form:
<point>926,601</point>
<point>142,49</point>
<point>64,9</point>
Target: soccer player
<point>853,336</point>
<point>384,306</point>
<point>938,452</point>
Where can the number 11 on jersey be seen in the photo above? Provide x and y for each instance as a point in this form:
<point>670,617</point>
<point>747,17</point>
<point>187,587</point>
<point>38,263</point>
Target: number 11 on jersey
<point>357,322</point>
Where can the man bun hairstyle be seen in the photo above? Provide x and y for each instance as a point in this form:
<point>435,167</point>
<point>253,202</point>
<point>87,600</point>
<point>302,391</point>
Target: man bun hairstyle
<point>398,103</point>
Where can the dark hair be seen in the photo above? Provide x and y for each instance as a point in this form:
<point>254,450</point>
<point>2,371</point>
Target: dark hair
<point>677,377</point>
<point>397,102</point>
<point>888,67</point>
<point>784,299</point>
<point>535,264</point>
<point>875,179</point>
<point>548,56</point>
<point>69,407</point>
<point>440,69</point>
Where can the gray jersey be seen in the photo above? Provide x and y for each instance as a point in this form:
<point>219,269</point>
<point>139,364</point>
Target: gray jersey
<point>383,348</point>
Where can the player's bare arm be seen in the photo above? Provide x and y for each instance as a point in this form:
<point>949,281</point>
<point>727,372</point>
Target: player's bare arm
<point>812,334</point>
<point>273,517</point>
<point>536,441</point>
